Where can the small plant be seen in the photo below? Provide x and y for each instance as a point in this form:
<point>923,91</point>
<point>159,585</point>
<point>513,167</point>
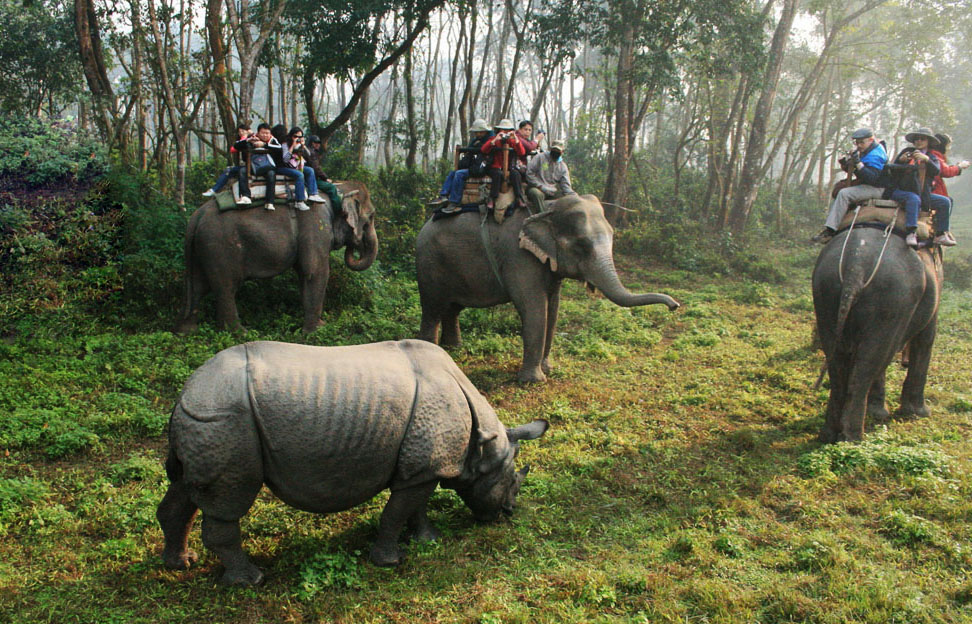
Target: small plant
<point>816,555</point>
<point>18,494</point>
<point>135,468</point>
<point>329,570</point>
<point>727,546</point>
<point>905,529</point>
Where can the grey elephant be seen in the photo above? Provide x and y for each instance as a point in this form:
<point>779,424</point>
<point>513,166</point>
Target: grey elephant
<point>328,428</point>
<point>222,249</point>
<point>863,325</point>
<point>533,255</point>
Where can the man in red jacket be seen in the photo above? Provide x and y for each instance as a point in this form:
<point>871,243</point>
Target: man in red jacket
<point>938,185</point>
<point>505,137</point>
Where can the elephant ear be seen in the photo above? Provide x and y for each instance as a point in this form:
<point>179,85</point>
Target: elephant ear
<point>537,237</point>
<point>352,214</point>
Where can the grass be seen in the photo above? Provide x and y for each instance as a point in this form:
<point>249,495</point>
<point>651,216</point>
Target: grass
<point>680,480</point>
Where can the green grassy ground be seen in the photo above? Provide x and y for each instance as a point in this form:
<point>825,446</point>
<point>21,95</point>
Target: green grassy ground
<point>680,480</point>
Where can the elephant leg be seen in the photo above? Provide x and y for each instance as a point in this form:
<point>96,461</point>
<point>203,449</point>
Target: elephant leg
<point>533,315</point>
<point>313,286</point>
<point>913,390</point>
<point>432,313</point>
<point>876,410</point>
<point>402,505</point>
<point>855,403</point>
<point>553,307</point>
<point>831,430</point>
<point>451,336</point>
<point>175,514</point>
<point>223,538</point>
<point>226,315</point>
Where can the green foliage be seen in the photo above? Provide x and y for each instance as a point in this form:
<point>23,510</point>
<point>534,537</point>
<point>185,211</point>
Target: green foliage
<point>17,495</point>
<point>44,154</point>
<point>39,65</point>
<point>908,530</point>
<point>329,570</point>
<point>880,453</point>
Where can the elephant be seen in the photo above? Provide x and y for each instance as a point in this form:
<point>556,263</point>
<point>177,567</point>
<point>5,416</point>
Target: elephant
<point>326,429</point>
<point>881,304</point>
<point>222,249</point>
<point>533,255</point>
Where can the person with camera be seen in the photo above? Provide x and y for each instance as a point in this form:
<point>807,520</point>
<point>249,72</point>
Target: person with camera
<point>471,163</point>
<point>530,146</point>
<point>866,162</point>
<point>548,176</point>
<point>939,151</point>
<point>911,177</point>
<point>296,155</point>
<point>239,172</point>
<point>505,137</point>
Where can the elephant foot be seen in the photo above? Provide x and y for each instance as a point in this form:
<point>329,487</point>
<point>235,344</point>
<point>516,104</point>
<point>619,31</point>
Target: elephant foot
<point>181,560</point>
<point>912,412</point>
<point>427,533</point>
<point>878,413</point>
<point>313,326</point>
<point>546,366</point>
<point>449,342</point>
<point>243,577</point>
<point>531,375</point>
<point>385,556</point>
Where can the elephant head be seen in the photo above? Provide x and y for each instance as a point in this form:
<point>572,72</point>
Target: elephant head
<point>359,214</point>
<point>494,482</point>
<point>577,240</point>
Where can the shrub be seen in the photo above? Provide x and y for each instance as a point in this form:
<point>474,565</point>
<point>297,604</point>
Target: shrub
<point>37,153</point>
<point>329,569</point>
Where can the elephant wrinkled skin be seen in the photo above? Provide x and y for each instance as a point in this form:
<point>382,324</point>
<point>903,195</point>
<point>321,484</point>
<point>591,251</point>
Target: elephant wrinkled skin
<point>862,328</point>
<point>572,239</point>
<point>222,249</point>
<point>326,429</point>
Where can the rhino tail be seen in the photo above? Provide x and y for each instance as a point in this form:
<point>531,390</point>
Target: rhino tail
<point>173,466</point>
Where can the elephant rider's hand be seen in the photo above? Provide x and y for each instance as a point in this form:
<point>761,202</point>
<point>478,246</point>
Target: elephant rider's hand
<point>918,156</point>
<point>964,164</point>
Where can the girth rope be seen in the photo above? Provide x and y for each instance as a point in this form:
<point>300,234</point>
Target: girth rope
<point>877,265</point>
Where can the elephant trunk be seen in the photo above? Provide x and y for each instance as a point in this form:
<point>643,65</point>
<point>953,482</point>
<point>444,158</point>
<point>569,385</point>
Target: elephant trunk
<point>367,251</point>
<point>601,273</point>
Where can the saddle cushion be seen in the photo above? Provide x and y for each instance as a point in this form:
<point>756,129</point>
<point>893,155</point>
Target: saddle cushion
<point>880,214</point>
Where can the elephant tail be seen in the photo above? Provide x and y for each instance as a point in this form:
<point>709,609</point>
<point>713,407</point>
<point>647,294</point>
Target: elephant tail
<point>848,297</point>
<point>188,250</point>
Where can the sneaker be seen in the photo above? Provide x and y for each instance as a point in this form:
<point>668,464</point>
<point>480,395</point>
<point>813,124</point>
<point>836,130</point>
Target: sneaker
<point>317,199</point>
<point>244,200</point>
<point>911,240</point>
<point>301,206</point>
<point>438,201</point>
<point>823,236</point>
<point>209,193</point>
<point>944,240</point>
<point>450,208</point>
<point>269,206</point>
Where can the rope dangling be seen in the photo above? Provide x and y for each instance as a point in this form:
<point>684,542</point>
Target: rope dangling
<point>850,230</point>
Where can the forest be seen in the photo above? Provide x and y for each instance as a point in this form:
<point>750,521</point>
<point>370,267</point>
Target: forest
<point>682,478</point>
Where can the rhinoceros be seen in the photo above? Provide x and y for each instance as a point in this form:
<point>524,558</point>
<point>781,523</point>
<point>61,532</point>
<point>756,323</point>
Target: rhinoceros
<point>327,428</point>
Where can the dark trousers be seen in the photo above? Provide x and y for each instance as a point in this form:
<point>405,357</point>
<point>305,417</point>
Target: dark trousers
<point>240,174</point>
<point>516,181</point>
<point>270,173</point>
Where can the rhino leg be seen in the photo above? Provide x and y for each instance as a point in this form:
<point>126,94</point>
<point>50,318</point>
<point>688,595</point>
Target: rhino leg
<point>175,514</point>
<point>402,506</point>
<point>422,530</point>
<point>223,538</point>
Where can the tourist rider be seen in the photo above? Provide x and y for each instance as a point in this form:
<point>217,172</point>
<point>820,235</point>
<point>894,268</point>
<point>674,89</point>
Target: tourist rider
<point>548,176</point>
<point>505,136</point>
<point>243,133</point>
<point>296,158</point>
<point>267,153</point>
<point>943,141</point>
<point>472,162</point>
<point>314,156</point>
<point>905,181</point>
<point>866,162</point>
<point>530,145</point>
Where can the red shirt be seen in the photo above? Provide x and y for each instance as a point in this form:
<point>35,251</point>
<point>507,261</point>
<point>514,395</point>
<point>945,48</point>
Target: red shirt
<point>513,141</point>
<point>947,171</point>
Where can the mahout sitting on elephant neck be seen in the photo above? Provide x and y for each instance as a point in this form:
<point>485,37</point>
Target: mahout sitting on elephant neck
<point>533,255</point>
<point>326,429</point>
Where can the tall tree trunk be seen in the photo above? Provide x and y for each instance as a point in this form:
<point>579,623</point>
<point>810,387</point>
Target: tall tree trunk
<point>464,112</point>
<point>518,52</point>
<point>749,180</point>
<point>93,64</point>
<point>361,128</point>
<point>500,71</point>
<point>412,142</point>
<point>616,186</point>
<point>451,110</point>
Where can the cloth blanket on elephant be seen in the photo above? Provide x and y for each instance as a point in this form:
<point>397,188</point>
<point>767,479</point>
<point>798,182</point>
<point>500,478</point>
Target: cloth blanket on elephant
<point>477,208</point>
<point>870,215</point>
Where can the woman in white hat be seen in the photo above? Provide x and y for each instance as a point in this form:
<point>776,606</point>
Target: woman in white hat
<point>506,136</point>
<point>907,187</point>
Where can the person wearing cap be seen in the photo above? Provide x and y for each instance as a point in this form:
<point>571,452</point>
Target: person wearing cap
<point>472,161</point>
<point>505,137</point>
<point>548,176</point>
<point>867,163</point>
<point>939,151</point>
<point>909,188</point>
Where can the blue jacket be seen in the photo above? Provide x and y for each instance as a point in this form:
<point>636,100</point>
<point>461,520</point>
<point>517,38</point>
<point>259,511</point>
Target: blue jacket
<point>874,160</point>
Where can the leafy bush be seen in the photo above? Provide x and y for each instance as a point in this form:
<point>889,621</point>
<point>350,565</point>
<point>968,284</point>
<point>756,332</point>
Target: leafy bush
<point>329,570</point>
<point>42,153</point>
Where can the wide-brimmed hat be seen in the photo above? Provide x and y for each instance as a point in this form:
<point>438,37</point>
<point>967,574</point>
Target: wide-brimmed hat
<point>479,125</point>
<point>943,140</point>
<point>507,124</point>
<point>920,133</point>
<point>863,133</point>
<point>558,144</point>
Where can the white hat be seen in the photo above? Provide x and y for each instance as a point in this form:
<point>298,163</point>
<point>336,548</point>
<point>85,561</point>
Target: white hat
<point>505,124</point>
<point>479,125</point>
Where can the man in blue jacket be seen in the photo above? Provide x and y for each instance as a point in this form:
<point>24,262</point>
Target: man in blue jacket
<point>867,163</point>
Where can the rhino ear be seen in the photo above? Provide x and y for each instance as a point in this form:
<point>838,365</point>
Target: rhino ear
<point>490,454</point>
<point>529,431</point>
